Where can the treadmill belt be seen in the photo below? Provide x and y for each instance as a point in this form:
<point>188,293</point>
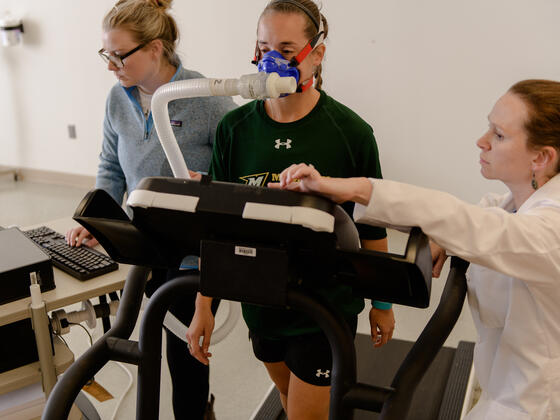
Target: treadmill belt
<point>438,396</point>
<point>378,366</point>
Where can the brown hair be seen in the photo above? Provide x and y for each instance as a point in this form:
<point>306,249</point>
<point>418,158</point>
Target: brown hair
<point>542,98</point>
<point>304,8</point>
<point>146,20</point>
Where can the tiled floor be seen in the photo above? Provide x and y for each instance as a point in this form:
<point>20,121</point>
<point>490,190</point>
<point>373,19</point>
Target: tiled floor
<point>238,381</point>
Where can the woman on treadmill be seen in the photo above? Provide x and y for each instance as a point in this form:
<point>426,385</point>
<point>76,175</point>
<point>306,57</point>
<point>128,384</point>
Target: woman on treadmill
<point>512,242</point>
<point>253,144</point>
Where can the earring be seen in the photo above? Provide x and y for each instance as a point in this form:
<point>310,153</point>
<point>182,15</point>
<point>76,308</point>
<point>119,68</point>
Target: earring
<point>534,182</point>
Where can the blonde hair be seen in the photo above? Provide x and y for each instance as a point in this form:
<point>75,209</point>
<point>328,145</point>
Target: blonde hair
<point>146,20</point>
<point>305,8</point>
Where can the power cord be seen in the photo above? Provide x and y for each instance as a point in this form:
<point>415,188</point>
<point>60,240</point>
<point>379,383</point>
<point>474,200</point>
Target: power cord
<point>121,398</point>
<point>85,329</point>
<point>123,367</point>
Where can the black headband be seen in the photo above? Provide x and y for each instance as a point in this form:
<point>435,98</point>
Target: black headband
<point>300,6</point>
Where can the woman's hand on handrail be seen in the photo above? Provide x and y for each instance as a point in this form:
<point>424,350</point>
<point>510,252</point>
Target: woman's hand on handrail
<point>305,178</point>
<point>438,258</point>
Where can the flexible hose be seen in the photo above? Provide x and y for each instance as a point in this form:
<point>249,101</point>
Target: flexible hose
<point>251,86</point>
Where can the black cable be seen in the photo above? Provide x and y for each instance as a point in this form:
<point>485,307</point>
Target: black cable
<point>66,344</point>
<point>63,340</point>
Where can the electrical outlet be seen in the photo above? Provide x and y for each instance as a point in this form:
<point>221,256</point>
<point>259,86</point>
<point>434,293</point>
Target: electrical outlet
<point>72,131</point>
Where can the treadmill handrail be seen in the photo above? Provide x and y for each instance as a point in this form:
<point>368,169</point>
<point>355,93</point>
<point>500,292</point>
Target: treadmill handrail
<point>430,341</point>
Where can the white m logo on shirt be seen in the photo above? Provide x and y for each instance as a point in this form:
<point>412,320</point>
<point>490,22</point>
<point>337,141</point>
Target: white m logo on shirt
<point>256,181</point>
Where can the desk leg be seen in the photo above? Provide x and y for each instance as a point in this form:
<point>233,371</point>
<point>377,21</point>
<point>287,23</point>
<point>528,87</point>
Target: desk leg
<point>40,321</point>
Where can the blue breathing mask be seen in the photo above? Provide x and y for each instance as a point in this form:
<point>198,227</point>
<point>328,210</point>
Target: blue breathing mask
<point>274,62</point>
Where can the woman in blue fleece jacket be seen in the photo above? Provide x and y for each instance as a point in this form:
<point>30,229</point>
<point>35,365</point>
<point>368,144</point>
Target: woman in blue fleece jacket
<point>139,40</point>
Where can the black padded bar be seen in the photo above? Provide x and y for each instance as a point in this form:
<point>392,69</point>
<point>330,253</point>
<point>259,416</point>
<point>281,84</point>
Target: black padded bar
<point>211,195</point>
<point>403,279</point>
<point>123,241</point>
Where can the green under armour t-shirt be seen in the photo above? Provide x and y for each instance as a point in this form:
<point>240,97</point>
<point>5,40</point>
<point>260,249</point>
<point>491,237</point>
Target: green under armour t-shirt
<point>253,149</point>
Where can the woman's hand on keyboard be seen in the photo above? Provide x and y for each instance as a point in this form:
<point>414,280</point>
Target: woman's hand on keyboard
<point>76,237</point>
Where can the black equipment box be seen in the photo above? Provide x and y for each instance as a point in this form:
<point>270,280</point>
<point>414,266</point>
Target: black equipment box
<point>19,257</point>
<point>18,345</point>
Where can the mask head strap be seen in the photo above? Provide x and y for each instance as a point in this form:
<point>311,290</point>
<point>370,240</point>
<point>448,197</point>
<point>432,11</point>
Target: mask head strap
<point>314,42</point>
<point>299,6</point>
<point>257,56</point>
<point>305,85</point>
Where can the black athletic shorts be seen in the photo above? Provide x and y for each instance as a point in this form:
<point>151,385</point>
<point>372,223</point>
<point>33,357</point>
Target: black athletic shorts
<point>308,356</point>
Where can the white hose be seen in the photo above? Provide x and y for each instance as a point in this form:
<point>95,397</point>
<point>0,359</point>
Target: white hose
<point>128,386</point>
<point>251,86</point>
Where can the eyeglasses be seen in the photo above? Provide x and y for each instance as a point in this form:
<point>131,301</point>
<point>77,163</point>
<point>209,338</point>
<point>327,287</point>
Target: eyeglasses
<point>117,60</point>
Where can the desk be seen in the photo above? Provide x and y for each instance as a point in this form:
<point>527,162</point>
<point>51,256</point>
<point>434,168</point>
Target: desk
<point>68,291</point>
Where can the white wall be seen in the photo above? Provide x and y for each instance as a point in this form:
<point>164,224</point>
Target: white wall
<point>425,74</point>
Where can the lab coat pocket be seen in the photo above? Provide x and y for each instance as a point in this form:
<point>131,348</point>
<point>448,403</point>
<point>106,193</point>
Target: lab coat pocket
<point>492,290</point>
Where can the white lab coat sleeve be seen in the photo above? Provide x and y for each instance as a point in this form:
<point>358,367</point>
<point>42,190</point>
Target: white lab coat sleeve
<point>525,246</point>
<point>493,200</point>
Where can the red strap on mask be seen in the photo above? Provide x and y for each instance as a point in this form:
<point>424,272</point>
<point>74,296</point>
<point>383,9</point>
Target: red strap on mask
<point>296,61</point>
<point>305,85</point>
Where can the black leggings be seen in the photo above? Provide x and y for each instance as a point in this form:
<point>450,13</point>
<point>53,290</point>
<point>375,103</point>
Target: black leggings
<point>189,377</point>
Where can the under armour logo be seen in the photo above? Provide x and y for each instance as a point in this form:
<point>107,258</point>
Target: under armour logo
<point>287,143</point>
<point>321,373</point>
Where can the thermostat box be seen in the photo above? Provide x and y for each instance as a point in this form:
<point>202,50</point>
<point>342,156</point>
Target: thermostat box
<point>19,256</point>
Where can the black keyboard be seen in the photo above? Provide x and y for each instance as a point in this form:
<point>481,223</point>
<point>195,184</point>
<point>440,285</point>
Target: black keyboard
<point>83,263</point>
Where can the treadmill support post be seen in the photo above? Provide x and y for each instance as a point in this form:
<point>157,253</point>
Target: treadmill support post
<point>149,344</point>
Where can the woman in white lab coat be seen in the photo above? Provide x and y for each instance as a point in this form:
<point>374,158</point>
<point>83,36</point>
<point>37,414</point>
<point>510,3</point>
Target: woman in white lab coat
<point>512,242</point>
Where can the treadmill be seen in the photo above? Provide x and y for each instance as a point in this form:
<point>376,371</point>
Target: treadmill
<point>272,247</point>
<point>262,261</point>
